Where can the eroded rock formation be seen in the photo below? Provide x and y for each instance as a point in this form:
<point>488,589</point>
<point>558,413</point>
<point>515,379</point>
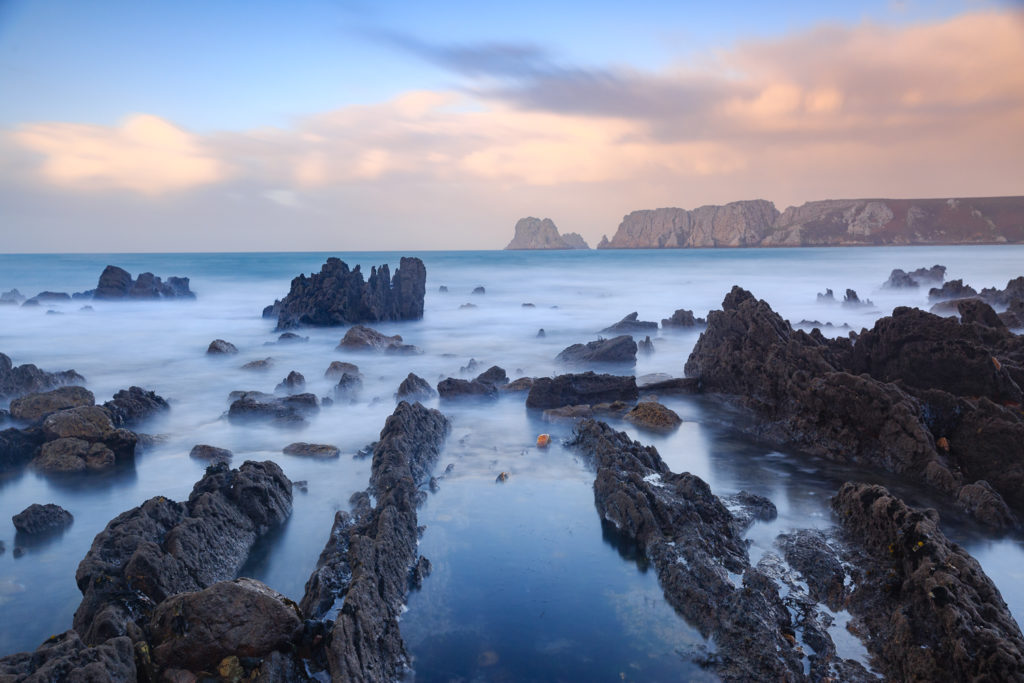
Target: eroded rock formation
<point>534,233</point>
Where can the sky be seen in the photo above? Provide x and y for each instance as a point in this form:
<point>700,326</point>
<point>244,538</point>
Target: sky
<point>346,126</point>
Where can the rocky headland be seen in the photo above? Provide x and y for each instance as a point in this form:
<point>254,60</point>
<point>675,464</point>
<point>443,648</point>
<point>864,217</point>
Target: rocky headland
<point>832,222</point>
<point>534,233</point>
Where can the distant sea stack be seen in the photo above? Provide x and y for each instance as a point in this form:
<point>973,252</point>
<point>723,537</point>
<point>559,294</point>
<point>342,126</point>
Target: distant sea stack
<point>831,222</point>
<point>534,233</point>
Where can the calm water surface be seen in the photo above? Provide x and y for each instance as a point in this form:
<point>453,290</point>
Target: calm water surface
<point>525,584</point>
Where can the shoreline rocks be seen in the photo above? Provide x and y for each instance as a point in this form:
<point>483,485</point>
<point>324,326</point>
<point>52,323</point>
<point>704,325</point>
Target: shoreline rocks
<point>24,379</point>
<point>42,519</point>
<point>621,349</point>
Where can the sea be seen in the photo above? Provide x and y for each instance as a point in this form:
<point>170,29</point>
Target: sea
<point>526,585</point>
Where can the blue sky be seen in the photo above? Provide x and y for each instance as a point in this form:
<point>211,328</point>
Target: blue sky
<point>129,112</point>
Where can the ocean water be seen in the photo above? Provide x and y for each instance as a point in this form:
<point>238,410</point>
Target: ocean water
<point>526,586</point>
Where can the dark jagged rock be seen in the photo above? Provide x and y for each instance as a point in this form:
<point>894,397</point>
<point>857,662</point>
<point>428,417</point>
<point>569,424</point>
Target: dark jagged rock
<point>311,450</point>
<point>885,402</point>
<point>339,296</point>
<point>131,406</point>
<point>348,387</point>
<point>851,300</point>
<point>362,338</point>
<point>415,388</point>
<point>954,289</point>
<point>646,346</point>
<point>116,283</point>
<point>212,453</point>
<point>338,368</point>
<point>286,411</point>
<point>65,657</point>
<point>494,375</point>
<point>586,388</point>
<point>517,385</point>
<point>621,349</point>
<point>37,406</point>
<point>747,508</point>
<point>13,297</point>
<point>1014,291</point>
<point>934,615</point>
<point>452,388</point>
<point>630,325</point>
<point>654,416</point>
<point>163,548</point>
<point>695,544</point>
<point>371,552</point>
<point>294,383</point>
<point>827,298</point>
<point>683,319</point>
<point>240,618</point>
<point>28,379</point>
<point>977,311</point>
<point>900,279</point>
<point>18,447</point>
<point>221,347</point>
<point>40,519</point>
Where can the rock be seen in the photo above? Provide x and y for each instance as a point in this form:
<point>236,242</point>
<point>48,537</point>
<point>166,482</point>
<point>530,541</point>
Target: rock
<point>739,224</point>
<point>12,297</point>
<point>467,306</point>
<point>541,334</point>
<point>517,385</point>
<point>311,450</point>
<point>71,455</point>
<point>65,657</point>
<point>977,311</point>
<point>221,347</point>
<point>453,388</point>
<point>935,615</point>
<point>630,325</point>
<point>675,385</point>
<point>954,289</point>
<point>899,279</point>
<point>479,290</point>
<point>528,305</point>
<point>287,411</point>
<point>291,338</point>
<point>338,368</point>
<point>211,453</point>
<point>682,318</point>
<point>747,508</point>
<point>568,413</point>
<point>646,346</point>
<point>415,388</point>
<point>239,618</point>
<point>851,300</point>
<point>367,559</point>
<point>494,375</point>
<point>362,338</point>
<point>442,289</point>
<point>88,433</point>
<point>37,406</point>
<point>41,519</point>
<point>654,416</point>
<point>259,364</point>
<point>534,233</point>
<point>621,349</point>
<point>469,367</point>
<point>132,406</point>
<point>28,379</point>
<point>984,503</point>
<point>827,298</point>
<point>502,477</point>
<point>117,283</point>
<point>18,446</point>
<point>47,298</point>
<point>339,296</point>
<point>163,548</point>
<point>348,387</point>
<point>294,383</point>
<point>586,388</point>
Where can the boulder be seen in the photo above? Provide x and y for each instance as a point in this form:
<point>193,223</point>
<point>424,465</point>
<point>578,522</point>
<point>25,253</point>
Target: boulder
<point>27,379</point>
<point>221,347</point>
<point>239,618</point>
<point>747,508</point>
<point>311,450</point>
<point>37,406</point>
<point>294,383</point>
<point>654,416</point>
<point>977,311</point>
<point>91,424</point>
<point>630,325</point>
<point>954,289</point>
<point>415,388</point>
<point>479,290</point>
<point>338,368</point>
<point>682,319</point>
<point>117,284</point>
<point>339,296</point>
<point>348,387</point>
<point>621,349</point>
<point>211,453</point>
<point>454,388</point>
<point>133,405</point>
<point>362,338</point>
<point>259,364</point>
<point>585,388</point>
<point>494,375</point>
<point>70,455</point>
<point>18,446</point>
<point>286,411</point>
<point>41,519</point>
<point>517,385</point>
<point>163,548</point>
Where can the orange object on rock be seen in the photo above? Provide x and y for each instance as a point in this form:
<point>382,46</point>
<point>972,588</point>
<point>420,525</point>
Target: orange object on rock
<point>543,440</point>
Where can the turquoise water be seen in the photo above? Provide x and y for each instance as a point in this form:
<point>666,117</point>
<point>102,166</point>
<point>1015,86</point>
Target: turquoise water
<point>525,586</point>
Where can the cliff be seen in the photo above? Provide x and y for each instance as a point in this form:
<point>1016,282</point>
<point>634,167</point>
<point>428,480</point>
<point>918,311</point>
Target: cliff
<point>534,233</point>
<point>843,222</point>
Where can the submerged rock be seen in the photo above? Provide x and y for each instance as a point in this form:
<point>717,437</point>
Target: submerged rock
<point>348,387</point>
<point>212,453</point>
<point>311,450</point>
<point>133,405</point>
<point>37,406</point>
<point>339,296</point>
<point>294,383</point>
<point>415,388</point>
<point>220,347</point>
<point>41,519</point>
<point>585,388</point>
<point>621,349</point>
<point>259,364</point>
<point>26,379</point>
<point>362,338</point>
<point>338,368</point>
<point>286,411</point>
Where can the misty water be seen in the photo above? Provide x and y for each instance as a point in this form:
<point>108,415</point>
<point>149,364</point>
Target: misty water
<point>526,585</point>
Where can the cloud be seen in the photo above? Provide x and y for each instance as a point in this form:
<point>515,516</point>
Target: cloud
<point>145,154</point>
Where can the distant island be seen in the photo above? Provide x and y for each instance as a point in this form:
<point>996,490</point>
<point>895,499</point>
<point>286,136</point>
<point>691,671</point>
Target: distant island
<point>831,222</point>
<point>534,233</point>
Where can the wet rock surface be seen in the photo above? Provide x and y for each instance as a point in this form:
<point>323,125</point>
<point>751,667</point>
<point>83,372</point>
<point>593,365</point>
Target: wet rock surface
<point>163,548</point>
<point>586,388</point>
<point>339,296</point>
<point>682,319</point>
<point>41,519</point>
<point>65,657</point>
<point>912,382</point>
<point>621,349</point>
<point>26,379</point>
<point>371,553</point>
<point>133,405</point>
<point>452,388</point>
<point>212,453</point>
<point>37,406</point>
<point>362,338</point>
<point>415,388</point>
<point>83,439</point>
<point>653,416</point>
